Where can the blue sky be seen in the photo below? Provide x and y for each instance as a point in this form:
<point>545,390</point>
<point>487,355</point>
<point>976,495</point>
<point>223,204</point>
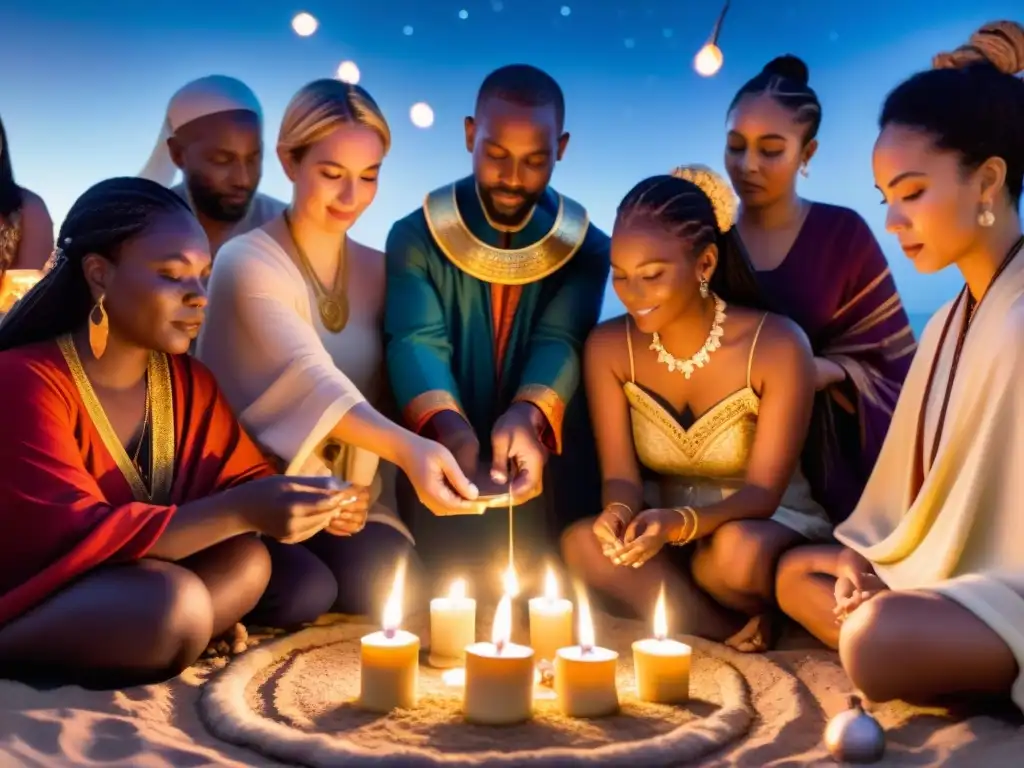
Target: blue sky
<point>86,84</point>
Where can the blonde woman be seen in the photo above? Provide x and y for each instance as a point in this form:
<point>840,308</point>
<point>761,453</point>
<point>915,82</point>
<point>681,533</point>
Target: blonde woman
<point>294,339</point>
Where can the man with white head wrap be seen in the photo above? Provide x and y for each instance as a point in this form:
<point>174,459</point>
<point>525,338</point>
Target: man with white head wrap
<point>213,134</point>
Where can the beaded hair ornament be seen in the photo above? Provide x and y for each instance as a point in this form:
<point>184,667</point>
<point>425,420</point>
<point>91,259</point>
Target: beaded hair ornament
<point>58,257</point>
<point>719,192</point>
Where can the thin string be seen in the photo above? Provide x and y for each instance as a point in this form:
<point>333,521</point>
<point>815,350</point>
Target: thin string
<point>511,539</point>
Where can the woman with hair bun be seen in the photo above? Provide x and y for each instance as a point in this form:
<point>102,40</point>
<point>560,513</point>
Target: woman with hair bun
<point>820,265</point>
<point>719,431</point>
<point>926,596</point>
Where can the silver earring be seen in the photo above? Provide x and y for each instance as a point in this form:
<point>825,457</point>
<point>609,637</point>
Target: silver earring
<point>705,290</point>
<point>986,219</point>
<point>805,171</point>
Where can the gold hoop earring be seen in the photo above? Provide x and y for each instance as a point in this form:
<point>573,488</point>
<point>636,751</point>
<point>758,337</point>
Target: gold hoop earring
<point>99,328</point>
<point>705,289</point>
<point>986,219</point>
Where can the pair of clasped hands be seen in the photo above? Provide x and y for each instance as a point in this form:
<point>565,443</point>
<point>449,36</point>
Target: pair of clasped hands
<point>856,583</point>
<point>632,541</point>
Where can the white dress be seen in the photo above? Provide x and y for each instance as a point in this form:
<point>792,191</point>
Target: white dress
<point>289,379</point>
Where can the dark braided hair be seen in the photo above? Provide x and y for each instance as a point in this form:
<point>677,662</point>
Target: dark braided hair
<point>106,216</point>
<point>971,103</point>
<point>785,79</point>
<point>685,211</point>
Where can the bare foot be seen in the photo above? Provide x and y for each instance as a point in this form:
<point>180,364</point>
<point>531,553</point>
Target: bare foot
<point>231,643</point>
<point>756,636</point>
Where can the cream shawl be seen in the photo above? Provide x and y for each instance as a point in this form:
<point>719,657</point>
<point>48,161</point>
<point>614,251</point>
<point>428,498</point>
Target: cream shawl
<point>963,533</point>
<point>260,341</point>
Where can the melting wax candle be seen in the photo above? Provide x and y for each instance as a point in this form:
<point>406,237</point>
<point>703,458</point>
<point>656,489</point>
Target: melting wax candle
<point>662,665</point>
<point>389,667</point>
<point>499,676</point>
<point>550,620</point>
<point>585,674</point>
<point>452,626</point>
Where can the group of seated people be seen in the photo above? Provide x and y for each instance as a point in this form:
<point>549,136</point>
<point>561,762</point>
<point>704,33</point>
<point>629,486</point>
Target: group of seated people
<point>178,425</point>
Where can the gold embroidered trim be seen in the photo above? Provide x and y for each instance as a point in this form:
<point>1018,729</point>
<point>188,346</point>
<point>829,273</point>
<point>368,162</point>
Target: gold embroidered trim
<point>518,266</point>
<point>692,441</point>
<point>425,406</point>
<point>549,403</point>
<point>161,455</point>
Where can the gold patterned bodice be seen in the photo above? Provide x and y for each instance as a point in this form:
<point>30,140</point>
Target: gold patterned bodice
<point>715,447</point>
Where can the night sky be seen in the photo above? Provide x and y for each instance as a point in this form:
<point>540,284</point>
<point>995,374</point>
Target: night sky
<point>85,85</point>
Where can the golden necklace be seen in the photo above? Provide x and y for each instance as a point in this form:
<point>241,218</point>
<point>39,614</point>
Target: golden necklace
<point>142,434</point>
<point>333,303</point>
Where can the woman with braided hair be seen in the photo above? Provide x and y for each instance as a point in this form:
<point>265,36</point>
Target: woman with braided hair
<point>925,597</point>
<point>821,266</point>
<point>129,495</point>
<point>713,396</point>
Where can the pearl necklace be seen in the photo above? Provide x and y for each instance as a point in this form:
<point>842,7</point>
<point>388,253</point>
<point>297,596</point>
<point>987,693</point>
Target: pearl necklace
<point>703,355</point>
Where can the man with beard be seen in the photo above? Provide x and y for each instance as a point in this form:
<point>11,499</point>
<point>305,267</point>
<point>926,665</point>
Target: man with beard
<point>213,134</point>
<point>492,287</point>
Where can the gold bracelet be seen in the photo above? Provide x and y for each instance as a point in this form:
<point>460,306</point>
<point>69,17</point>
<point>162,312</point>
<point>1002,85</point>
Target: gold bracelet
<point>690,518</point>
<point>629,512</point>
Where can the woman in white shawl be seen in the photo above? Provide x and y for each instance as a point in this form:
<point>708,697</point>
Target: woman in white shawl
<point>926,598</point>
<point>293,336</point>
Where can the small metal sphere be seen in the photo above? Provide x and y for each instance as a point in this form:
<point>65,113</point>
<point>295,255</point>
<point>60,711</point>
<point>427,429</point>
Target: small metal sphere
<point>854,736</point>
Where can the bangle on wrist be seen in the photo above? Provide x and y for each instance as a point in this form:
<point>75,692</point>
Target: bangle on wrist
<point>690,520</point>
<point>610,507</point>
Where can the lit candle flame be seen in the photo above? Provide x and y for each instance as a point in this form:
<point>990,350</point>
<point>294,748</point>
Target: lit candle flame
<point>457,591</point>
<point>708,60</point>
<point>660,618</point>
<point>393,607</point>
<point>510,582</point>
<point>585,628</point>
<point>551,585</point>
<point>501,632</point>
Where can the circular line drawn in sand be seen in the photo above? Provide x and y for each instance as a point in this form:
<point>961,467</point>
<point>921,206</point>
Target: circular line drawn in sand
<point>294,700</point>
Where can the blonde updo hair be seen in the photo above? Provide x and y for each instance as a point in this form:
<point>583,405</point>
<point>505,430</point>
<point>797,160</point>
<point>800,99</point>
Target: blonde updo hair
<point>999,43</point>
<point>323,106</point>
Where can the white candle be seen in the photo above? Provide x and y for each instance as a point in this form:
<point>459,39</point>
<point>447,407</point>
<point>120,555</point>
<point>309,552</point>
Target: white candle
<point>499,676</point>
<point>662,665</point>
<point>452,626</point>
<point>389,667</point>
<point>585,673</point>
<point>550,620</point>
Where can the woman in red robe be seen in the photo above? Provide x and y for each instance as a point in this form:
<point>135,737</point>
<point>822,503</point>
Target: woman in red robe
<point>129,495</point>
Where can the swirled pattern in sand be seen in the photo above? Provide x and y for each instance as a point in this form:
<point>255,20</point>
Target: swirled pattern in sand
<point>294,699</point>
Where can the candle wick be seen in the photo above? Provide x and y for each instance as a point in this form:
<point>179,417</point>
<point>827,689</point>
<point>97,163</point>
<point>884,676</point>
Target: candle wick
<point>660,637</point>
<point>499,646</point>
<point>389,633</point>
<point>585,649</point>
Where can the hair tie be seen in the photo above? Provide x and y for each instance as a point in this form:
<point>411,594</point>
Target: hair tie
<point>718,191</point>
